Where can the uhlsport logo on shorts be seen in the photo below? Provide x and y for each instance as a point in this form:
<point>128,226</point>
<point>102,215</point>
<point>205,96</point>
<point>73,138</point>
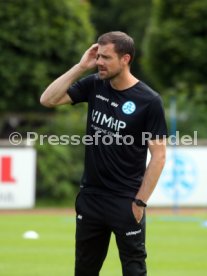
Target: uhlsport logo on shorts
<point>128,107</point>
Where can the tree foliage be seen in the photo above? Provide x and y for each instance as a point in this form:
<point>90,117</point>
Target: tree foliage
<point>175,58</point>
<point>60,163</point>
<point>175,44</point>
<point>39,40</point>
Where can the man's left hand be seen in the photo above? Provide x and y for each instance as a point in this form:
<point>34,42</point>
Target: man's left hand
<point>138,212</point>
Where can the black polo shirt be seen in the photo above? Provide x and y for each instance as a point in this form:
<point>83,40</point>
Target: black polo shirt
<point>115,162</point>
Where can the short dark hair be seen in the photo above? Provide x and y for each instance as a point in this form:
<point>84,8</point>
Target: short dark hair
<point>123,43</point>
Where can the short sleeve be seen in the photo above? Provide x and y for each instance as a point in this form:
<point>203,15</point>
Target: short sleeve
<point>80,90</point>
<point>156,124</point>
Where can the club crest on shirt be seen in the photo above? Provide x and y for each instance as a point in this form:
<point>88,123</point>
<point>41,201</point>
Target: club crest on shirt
<point>128,107</point>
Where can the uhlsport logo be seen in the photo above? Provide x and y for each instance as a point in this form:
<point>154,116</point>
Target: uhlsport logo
<point>128,107</point>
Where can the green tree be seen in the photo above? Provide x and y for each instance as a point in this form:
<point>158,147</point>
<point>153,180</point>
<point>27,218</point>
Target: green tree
<point>175,59</point>
<point>60,163</point>
<point>39,40</point>
<point>175,45</point>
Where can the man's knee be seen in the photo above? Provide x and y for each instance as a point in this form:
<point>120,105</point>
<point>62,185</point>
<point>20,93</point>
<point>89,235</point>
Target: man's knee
<point>134,267</point>
<point>86,269</point>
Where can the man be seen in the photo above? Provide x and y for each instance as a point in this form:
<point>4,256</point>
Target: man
<point>116,185</point>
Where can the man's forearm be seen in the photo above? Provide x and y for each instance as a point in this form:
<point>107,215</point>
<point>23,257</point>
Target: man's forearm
<point>151,177</point>
<point>57,90</point>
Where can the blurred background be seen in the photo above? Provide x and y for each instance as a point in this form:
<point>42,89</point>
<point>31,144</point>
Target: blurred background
<point>40,40</point>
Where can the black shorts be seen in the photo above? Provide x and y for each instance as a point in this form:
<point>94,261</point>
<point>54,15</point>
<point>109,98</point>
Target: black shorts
<point>97,216</point>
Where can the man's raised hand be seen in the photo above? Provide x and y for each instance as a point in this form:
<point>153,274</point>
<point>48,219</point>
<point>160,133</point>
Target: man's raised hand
<point>88,60</point>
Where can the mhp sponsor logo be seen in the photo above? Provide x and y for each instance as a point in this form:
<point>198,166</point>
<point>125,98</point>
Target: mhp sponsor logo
<point>179,177</point>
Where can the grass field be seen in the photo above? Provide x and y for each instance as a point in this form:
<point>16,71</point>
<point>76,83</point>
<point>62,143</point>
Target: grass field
<point>177,245</point>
